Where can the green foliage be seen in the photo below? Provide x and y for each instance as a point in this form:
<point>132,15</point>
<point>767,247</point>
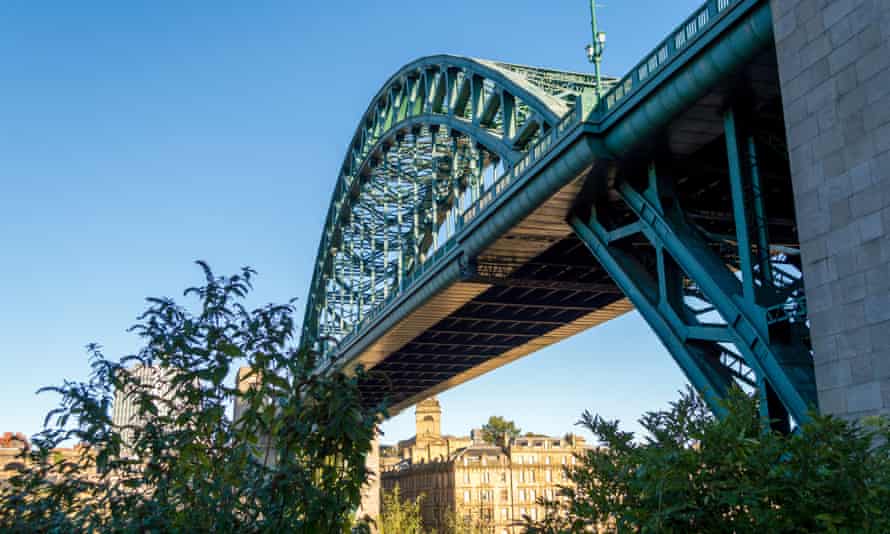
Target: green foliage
<point>293,462</point>
<point>498,429</point>
<point>463,522</point>
<point>693,473</point>
<point>400,516</point>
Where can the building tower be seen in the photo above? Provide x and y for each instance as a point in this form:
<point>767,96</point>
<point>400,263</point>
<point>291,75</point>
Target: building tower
<point>428,418</point>
<point>125,415</point>
<point>244,381</point>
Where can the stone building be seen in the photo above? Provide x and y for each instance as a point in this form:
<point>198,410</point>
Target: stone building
<point>487,484</point>
<point>11,447</point>
<point>125,410</point>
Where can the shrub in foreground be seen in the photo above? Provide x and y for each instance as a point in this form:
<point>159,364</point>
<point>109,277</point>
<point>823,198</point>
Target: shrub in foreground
<point>694,473</point>
<point>293,462</point>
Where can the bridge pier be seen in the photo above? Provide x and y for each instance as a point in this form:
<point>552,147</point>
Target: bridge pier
<point>834,70</point>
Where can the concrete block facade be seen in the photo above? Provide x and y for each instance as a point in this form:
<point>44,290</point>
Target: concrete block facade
<point>834,67</point>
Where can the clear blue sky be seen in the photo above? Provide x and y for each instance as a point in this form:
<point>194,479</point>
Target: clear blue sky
<point>136,137</point>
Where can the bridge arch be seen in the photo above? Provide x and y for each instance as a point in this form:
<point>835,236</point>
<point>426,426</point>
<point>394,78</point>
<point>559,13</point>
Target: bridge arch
<point>436,134</point>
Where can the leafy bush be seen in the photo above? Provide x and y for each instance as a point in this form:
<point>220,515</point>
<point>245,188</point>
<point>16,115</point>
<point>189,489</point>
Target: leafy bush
<point>400,516</point>
<point>694,473</point>
<point>293,462</point>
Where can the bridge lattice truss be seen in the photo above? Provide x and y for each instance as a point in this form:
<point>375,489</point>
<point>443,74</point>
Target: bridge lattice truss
<point>434,140</point>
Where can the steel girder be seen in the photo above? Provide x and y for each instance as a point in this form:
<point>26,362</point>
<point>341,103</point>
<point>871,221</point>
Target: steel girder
<point>757,303</point>
<point>432,140</point>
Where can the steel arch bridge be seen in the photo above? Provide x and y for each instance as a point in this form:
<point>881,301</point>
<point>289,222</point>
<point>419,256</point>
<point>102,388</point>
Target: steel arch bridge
<point>429,145</point>
<point>484,210</point>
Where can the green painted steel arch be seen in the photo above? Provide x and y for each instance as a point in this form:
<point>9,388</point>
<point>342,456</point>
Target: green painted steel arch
<point>436,125</point>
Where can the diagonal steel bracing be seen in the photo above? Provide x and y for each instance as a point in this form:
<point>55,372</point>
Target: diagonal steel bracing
<point>742,295</point>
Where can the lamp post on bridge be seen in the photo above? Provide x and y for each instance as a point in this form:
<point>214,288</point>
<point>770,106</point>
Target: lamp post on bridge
<point>596,47</point>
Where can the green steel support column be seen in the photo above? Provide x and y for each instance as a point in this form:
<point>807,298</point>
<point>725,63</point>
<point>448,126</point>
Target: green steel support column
<point>385,240</point>
<point>455,204</point>
<point>361,269</point>
<point>416,232</point>
<point>401,262</point>
<point>340,314</point>
<point>373,261</point>
<point>760,221</point>
<point>773,411</point>
<point>434,201</point>
<point>353,293</point>
<point>736,181</point>
<point>508,111</point>
<point>479,173</point>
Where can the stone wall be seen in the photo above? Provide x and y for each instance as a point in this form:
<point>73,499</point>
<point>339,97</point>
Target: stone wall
<point>834,66</point>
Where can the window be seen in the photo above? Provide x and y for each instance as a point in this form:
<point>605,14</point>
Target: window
<point>466,477</point>
<point>531,476</point>
<point>574,460</point>
<point>505,513</point>
<point>548,474</point>
<point>548,493</point>
<point>534,514</point>
<point>563,460</point>
<point>503,476</point>
<point>522,495</point>
<point>521,475</point>
<point>466,496</point>
<point>521,512</point>
<point>547,458</point>
<point>531,495</point>
<point>486,476</point>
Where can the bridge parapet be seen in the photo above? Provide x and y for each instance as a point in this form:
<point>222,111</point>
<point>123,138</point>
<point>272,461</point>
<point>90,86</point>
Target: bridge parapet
<point>683,38</point>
